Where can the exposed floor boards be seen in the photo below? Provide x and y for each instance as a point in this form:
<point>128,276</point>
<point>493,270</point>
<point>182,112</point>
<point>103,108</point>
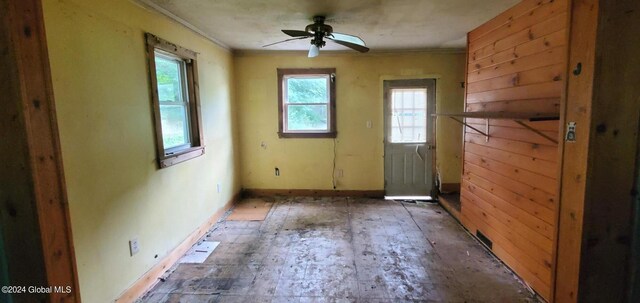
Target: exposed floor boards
<point>343,250</point>
<point>250,210</point>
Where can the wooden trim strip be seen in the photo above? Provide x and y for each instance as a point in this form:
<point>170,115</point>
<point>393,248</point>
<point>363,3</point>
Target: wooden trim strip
<point>25,27</point>
<point>150,278</point>
<point>576,107</point>
<point>256,192</point>
<point>307,135</point>
<point>182,156</point>
<point>560,152</point>
<point>159,43</point>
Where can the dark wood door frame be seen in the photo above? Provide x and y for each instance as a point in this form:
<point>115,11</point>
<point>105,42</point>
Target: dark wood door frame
<point>36,227</point>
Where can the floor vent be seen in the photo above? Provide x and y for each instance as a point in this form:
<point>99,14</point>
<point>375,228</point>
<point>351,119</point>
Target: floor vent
<point>484,239</point>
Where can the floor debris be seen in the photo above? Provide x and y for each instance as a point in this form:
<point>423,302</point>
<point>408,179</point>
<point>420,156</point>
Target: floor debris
<point>200,252</point>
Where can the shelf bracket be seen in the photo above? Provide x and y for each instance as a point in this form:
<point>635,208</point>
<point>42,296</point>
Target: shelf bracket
<point>486,135</point>
<point>525,125</point>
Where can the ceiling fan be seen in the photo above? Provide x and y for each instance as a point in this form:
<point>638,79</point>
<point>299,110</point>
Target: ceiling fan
<point>318,31</point>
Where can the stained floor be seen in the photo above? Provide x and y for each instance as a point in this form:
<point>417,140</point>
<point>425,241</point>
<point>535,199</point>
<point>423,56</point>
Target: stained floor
<point>343,250</point>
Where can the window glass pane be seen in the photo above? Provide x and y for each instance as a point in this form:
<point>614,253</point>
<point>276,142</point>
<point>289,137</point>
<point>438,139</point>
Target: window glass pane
<point>175,126</point>
<point>307,117</point>
<point>408,115</point>
<point>421,95</point>
<point>169,77</point>
<point>407,98</point>
<point>308,89</point>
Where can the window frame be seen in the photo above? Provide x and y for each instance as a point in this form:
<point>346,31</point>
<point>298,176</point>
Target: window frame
<point>196,148</point>
<point>331,106</point>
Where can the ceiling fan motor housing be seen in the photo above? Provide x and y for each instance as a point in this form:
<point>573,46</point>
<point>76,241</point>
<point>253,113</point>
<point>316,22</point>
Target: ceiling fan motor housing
<point>319,30</point>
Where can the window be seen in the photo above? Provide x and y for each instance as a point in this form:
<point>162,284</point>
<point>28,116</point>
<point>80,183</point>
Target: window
<point>174,80</point>
<point>409,115</point>
<point>307,103</point>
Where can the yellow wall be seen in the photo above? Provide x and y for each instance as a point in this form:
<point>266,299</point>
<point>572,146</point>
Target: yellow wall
<point>104,112</point>
<point>308,163</point>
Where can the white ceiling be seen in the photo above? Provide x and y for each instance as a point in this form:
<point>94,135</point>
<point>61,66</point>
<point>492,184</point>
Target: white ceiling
<point>382,24</point>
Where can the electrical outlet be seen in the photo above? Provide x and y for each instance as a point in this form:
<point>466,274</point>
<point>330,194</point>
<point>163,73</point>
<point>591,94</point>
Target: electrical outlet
<point>339,173</point>
<point>369,124</point>
<point>134,246</point>
<point>218,187</point>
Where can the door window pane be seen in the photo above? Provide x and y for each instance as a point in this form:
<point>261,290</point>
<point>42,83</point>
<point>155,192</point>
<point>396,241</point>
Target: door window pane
<point>408,115</point>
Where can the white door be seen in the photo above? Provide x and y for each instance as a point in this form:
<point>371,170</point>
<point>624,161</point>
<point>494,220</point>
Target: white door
<point>409,128</point>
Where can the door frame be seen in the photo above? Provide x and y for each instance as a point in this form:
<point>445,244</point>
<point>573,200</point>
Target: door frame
<point>435,78</point>
<point>36,200</point>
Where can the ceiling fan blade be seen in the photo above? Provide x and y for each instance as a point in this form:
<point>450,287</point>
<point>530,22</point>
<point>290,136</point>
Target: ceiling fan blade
<point>297,38</point>
<point>296,33</point>
<point>360,48</point>
<point>347,38</point>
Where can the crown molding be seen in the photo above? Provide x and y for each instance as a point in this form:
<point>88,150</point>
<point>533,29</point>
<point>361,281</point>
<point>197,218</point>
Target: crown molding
<point>148,4</point>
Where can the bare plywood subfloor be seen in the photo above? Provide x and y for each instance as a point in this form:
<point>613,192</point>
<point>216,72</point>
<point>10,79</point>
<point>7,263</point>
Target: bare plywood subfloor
<point>336,249</point>
<point>250,210</point>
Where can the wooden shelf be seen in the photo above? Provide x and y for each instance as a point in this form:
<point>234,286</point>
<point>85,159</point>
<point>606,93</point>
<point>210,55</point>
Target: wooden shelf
<point>519,118</point>
<point>504,116</point>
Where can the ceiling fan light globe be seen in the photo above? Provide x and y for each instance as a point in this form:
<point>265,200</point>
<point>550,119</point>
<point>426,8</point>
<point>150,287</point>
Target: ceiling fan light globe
<point>314,51</point>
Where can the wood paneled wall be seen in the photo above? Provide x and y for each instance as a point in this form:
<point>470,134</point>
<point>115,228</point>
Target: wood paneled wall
<point>516,63</point>
<point>598,192</point>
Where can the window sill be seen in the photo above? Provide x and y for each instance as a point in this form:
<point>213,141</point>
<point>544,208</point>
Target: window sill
<point>181,156</point>
<point>307,135</point>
